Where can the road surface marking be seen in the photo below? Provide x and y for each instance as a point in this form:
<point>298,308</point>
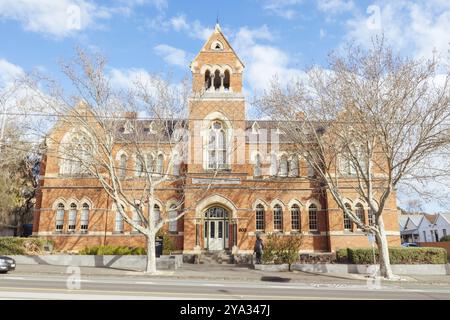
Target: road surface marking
<point>209,295</point>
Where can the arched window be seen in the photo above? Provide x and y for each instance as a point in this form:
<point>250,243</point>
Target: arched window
<point>311,171</point>
<point>217,148</point>
<point>360,213</point>
<point>207,79</point>
<point>84,219</point>
<point>283,166</point>
<point>72,217</point>
<point>371,217</point>
<point>173,224</point>
<point>136,216</point>
<point>149,163</point>
<point>260,218</point>
<point>118,226</point>
<point>347,221</point>
<point>60,217</point>
<point>139,170</point>
<point>293,166</point>
<point>273,165</point>
<point>160,164</point>
<point>295,217</point>
<point>156,214</point>
<point>123,165</point>
<point>312,214</point>
<point>75,152</point>
<point>277,218</point>
<point>257,169</point>
<point>226,80</point>
<point>217,80</point>
<point>176,162</point>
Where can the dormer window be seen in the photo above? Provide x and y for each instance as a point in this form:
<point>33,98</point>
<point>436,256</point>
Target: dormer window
<point>128,128</point>
<point>217,46</point>
<point>255,128</point>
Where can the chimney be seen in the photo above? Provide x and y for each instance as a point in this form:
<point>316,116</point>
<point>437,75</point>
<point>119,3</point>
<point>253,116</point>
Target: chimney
<point>131,115</point>
<point>300,115</point>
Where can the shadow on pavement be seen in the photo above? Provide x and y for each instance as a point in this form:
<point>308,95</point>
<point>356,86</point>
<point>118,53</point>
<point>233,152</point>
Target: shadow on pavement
<point>275,279</point>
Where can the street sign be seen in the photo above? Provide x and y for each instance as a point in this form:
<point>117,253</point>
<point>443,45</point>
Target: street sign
<point>371,238</point>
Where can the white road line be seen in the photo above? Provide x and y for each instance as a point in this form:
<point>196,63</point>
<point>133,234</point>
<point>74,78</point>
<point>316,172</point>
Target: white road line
<point>145,282</point>
<point>212,285</point>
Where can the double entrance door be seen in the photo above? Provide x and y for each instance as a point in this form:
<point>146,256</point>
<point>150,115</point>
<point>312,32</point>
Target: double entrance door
<point>216,229</point>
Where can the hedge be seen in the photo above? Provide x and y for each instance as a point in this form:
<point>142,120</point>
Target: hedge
<point>21,246</point>
<point>397,255</point>
<point>445,239</point>
<point>112,250</point>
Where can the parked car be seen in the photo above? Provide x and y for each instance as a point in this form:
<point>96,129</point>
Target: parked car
<point>409,244</point>
<point>7,264</point>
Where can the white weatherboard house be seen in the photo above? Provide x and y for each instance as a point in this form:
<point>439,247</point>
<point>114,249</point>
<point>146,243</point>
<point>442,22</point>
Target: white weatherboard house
<point>424,227</point>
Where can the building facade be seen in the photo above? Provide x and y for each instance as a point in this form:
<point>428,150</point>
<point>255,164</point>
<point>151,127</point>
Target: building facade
<point>231,190</point>
<point>424,227</point>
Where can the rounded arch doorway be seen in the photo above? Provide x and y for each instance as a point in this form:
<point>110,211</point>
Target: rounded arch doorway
<point>216,228</point>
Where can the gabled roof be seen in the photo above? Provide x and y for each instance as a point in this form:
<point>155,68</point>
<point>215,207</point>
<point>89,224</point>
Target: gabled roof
<point>446,216</point>
<point>415,220</point>
<point>402,221</point>
<point>217,35</point>
<point>430,217</point>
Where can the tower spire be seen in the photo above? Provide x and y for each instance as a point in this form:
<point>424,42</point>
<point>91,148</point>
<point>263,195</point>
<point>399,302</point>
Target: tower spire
<point>217,28</point>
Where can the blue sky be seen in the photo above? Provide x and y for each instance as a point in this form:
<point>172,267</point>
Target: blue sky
<point>162,36</point>
<point>271,36</point>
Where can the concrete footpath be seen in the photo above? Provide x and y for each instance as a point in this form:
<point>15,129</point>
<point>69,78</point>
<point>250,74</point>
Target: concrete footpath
<point>226,272</point>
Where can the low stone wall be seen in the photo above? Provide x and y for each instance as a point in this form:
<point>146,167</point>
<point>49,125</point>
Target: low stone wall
<point>400,269</point>
<point>129,262</point>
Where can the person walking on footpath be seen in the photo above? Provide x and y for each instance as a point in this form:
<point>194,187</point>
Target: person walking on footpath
<point>259,248</point>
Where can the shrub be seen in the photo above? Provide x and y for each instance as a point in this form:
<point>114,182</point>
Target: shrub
<point>280,249</point>
<point>445,239</point>
<point>269,253</point>
<point>168,243</point>
<point>112,250</point>
<point>342,255</point>
<point>21,246</point>
<point>398,255</point>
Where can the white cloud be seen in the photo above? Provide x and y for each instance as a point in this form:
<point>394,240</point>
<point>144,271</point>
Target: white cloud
<point>58,18</point>
<point>159,4</point>
<point>263,62</point>
<point>194,29</point>
<point>9,72</point>
<point>282,8</point>
<point>335,6</point>
<point>127,78</point>
<point>172,55</point>
<point>21,103</point>
<point>179,23</point>
<point>62,18</point>
<point>414,27</point>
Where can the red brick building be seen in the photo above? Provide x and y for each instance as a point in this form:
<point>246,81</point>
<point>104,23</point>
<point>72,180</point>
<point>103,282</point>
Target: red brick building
<point>253,190</point>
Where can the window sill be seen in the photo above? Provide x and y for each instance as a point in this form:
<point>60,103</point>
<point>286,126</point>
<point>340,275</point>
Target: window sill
<point>117,232</point>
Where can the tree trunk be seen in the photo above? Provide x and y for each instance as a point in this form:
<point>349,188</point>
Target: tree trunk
<point>383,249</point>
<point>151,254</point>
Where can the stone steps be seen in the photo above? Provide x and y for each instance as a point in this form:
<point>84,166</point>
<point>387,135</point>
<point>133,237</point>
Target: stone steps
<point>216,258</point>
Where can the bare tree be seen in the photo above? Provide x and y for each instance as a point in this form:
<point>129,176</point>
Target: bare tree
<point>367,124</point>
<point>108,127</point>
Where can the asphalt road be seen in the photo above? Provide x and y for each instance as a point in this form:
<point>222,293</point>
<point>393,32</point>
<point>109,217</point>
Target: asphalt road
<point>122,288</point>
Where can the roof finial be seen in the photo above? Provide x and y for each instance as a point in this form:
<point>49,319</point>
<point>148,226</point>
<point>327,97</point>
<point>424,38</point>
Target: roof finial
<point>217,28</point>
